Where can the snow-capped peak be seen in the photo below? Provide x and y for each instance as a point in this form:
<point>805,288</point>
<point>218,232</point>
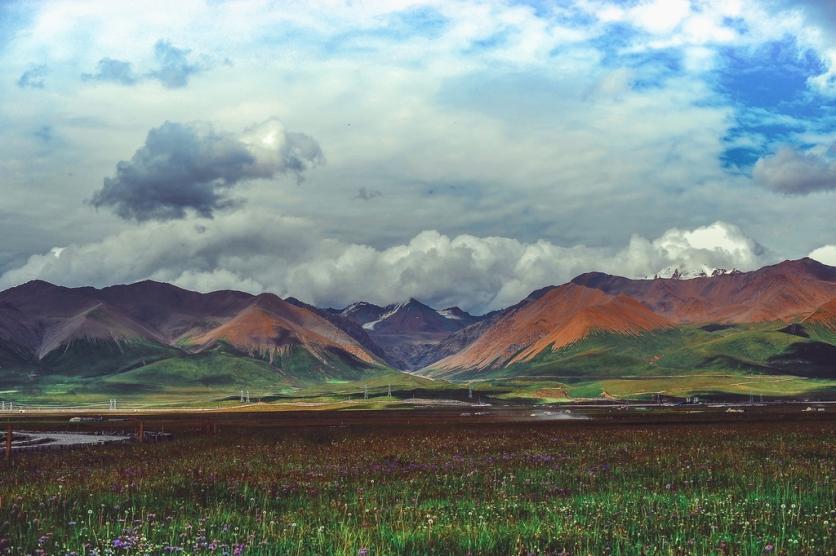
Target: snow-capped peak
<point>675,273</point>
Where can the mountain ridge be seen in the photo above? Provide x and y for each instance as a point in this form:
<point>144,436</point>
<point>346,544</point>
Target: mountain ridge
<point>38,318</point>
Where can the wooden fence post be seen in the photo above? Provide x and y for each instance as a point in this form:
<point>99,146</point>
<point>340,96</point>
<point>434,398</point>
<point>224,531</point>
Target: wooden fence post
<point>141,434</point>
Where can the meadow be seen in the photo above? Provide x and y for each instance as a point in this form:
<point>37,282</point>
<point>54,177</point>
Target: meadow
<point>638,485</point>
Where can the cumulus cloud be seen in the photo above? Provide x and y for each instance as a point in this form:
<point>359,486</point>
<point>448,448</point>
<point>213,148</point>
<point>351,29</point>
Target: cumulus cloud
<point>33,78</point>
<point>264,252</point>
<point>173,68</point>
<point>795,172</point>
<point>825,255</point>
<point>191,166</point>
<point>116,71</point>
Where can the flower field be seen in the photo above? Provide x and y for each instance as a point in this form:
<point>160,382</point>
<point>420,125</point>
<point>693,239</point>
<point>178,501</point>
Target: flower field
<point>545,488</point>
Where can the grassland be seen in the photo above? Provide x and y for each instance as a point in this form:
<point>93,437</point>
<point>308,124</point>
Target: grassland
<point>597,487</point>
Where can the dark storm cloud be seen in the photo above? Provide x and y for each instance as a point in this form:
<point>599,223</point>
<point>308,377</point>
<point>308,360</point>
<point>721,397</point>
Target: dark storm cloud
<point>117,71</point>
<point>184,167</point>
<point>174,68</point>
<point>794,172</point>
<point>33,78</point>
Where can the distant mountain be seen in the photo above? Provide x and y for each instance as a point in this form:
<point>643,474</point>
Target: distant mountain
<point>674,272</point>
<point>360,312</point>
<point>47,329</point>
<point>762,321</point>
<point>407,331</point>
<point>785,291</point>
<point>269,326</point>
<point>780,319</point>
<point>561,316</point>
<point>403,318</point>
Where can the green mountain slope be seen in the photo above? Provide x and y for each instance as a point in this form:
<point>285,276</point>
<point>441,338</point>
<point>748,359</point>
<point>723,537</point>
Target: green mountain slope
<point>762,349</point>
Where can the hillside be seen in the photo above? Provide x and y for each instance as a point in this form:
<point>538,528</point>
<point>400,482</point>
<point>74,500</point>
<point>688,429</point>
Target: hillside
<point>408,332</point>
<point>154,337</point>
<point>786,291</point>
<point>59,338</point>
<point>270,326</point>
<point>563,315</point>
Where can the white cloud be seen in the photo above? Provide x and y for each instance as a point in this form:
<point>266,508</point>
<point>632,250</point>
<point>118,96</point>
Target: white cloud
<point>826,255</point>
<point>262,252</point>
<point>552,140</point>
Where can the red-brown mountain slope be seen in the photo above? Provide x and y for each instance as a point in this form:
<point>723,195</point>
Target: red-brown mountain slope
<point>37,318</point>
<point>786,291</point>
<point>561,316</point>
<point>270,325</point>
<point>824,315</point>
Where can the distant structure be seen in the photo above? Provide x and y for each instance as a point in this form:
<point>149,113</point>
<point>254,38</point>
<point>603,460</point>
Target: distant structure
<point>365,391</point>
<point>469,390</point>
<point>389,391</point>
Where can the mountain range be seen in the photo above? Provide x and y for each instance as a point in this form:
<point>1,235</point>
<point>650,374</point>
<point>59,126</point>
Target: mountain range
<point>780,319</point>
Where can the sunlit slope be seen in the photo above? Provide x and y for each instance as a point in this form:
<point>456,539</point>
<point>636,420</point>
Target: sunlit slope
<point>562,316</point>
<point>764,348</point>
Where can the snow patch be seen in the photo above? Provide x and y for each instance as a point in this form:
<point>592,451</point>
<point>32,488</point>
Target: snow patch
<point>674,273</point>
<point>448,314</point>
<point>370,325</point>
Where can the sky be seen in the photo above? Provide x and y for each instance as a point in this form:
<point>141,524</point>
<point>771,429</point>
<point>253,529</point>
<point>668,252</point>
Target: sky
<point>460,152</point>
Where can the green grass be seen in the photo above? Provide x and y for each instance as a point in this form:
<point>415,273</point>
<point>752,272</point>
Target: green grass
<point>751,488</point>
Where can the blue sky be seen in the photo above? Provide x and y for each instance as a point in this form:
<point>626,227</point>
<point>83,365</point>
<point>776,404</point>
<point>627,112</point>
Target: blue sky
<point>459,152</point>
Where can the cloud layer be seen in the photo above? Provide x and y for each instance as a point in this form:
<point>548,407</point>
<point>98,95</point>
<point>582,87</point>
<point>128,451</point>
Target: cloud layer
<point>193,166</point>
<point>551,124</point>
<point>262,252</point>
<point>796,172</point>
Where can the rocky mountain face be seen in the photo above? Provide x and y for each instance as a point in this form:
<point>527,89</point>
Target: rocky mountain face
<point>783,291</point>
<point>44,324</point>
<point>407,332</point>
<point>563,315</point>
<point>39,320</point>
